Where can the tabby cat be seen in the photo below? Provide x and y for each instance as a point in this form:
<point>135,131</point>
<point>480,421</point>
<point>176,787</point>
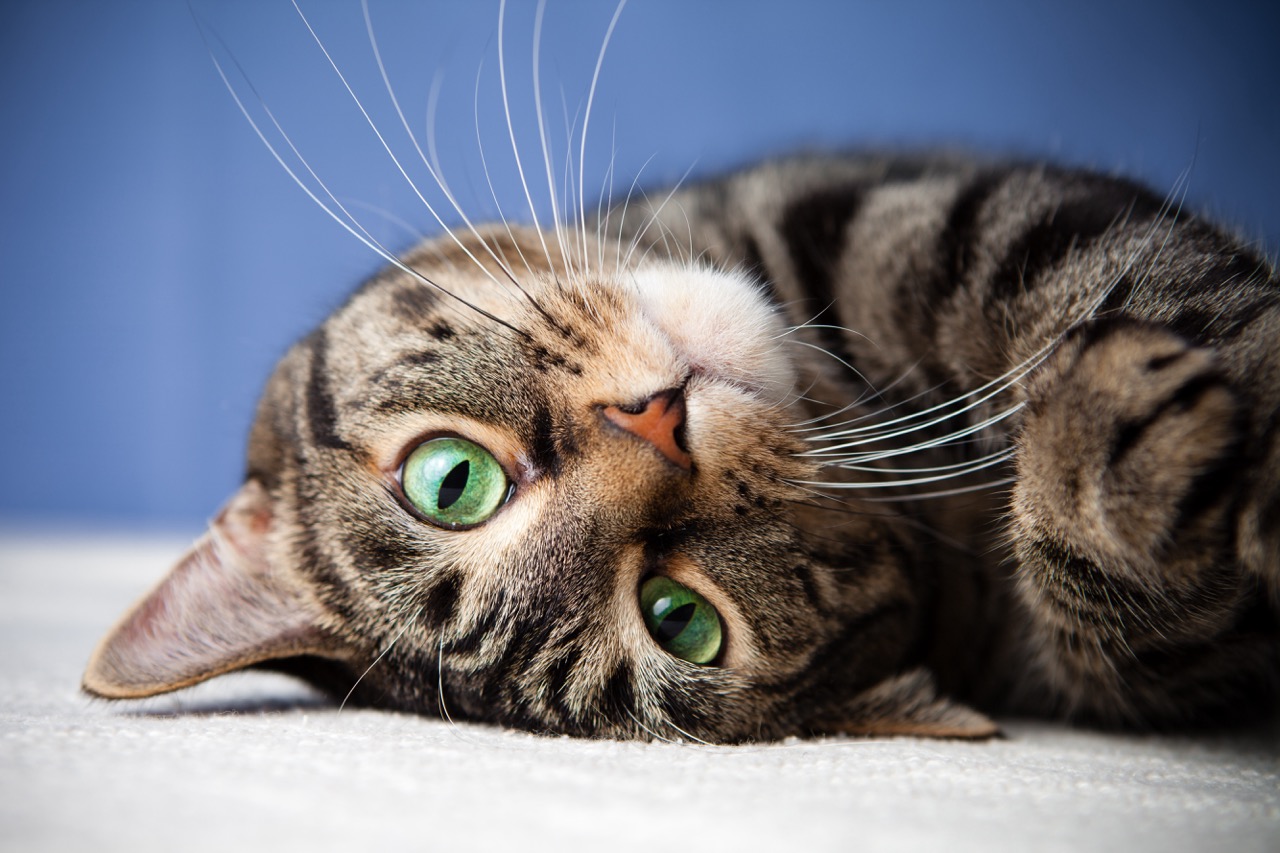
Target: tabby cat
<point>831,445</point>
<point>852,444</point>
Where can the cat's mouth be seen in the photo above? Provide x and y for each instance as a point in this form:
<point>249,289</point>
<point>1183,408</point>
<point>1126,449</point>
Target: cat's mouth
<point>724,329</point>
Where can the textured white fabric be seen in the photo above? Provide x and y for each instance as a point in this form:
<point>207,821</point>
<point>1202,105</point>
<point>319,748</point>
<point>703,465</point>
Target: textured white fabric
<point>255,762</point>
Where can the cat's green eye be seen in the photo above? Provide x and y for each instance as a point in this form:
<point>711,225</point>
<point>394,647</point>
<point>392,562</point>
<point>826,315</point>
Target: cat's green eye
<point>454,482</point>
<point>681,621</point>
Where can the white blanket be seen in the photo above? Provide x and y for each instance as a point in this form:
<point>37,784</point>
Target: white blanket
<point>256,761</point>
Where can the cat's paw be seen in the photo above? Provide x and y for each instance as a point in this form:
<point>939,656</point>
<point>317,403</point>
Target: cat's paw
<point>1130,450</point>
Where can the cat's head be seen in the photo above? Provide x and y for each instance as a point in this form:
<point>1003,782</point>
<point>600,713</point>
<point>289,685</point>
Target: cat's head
<point>552,496</point>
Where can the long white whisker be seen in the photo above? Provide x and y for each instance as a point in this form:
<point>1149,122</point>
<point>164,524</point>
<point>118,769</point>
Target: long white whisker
<point>811,325</point>
<point>945,493</point>
<point>586,118</point>
<point>982,393</point>
<point>1184,181</point>
<point>847,465</point>
<point>542,130</point>
<point>433,109</point>
<point>380,656</point>
<point>648,730</point>
<point>949,438</point>
<point>378,133</point>
<point>657,212</point>
<point>432,171</point>
<point>444,706</point>
<point>622,217</point>
<point>882,431</point>
<point>350,223</point>
<point>815,423</point>
<point>685,734</point>
<point>511,131</point>
<point>831,355</point>
<point>569,188</point>
<point>484,164</point>
<point>990,461</point>
<point>1178,191</point>
<point>410,230</point>
<point>606,190</point>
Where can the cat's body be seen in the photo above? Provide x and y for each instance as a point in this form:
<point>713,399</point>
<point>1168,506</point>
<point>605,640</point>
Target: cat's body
<point>1103,367</point>
<point>1141,535</point>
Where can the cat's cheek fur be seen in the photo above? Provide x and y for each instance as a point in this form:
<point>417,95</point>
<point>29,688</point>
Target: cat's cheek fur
<point>226,605</point>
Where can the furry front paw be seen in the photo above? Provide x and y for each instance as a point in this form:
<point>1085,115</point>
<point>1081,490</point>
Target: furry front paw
<point>1130,450</point>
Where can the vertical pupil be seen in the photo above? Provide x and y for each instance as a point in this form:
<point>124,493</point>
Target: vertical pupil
<point>674,622</point>
<point>454,484</point>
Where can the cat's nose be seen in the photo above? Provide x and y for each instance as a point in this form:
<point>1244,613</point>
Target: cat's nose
<point>658,420</point>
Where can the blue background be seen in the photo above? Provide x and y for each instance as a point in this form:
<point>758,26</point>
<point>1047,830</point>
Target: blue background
<point>156,260</point>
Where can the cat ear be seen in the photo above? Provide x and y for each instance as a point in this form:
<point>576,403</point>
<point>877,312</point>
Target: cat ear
<point>909,705</point>
<point>224,606</point>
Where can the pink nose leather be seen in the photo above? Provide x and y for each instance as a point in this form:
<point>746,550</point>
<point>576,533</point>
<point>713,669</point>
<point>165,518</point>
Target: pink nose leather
<point>657,423</point>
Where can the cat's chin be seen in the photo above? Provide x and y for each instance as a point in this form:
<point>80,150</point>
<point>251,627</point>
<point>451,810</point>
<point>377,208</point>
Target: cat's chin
<point>721,325</point>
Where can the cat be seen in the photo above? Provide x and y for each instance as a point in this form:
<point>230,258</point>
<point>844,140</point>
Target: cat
<point>835,444</point>
<point>580,484</point>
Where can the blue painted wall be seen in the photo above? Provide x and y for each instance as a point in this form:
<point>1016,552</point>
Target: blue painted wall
<point>156,260</point>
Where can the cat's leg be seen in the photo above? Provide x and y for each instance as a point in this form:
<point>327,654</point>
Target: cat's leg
<point>1133,464</point>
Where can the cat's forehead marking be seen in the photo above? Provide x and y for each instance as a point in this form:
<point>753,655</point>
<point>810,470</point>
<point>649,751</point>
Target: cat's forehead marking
<point>321,411</point>
<point>416,300</point>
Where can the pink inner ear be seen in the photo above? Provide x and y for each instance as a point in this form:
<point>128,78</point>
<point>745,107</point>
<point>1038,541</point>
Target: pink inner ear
<point>222,607</point>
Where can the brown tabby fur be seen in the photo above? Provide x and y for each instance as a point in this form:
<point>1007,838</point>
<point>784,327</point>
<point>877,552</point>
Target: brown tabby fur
<point>1128,574</point>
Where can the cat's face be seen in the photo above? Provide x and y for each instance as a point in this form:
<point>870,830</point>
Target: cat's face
<point>533,610</point>
<point>556,498</point>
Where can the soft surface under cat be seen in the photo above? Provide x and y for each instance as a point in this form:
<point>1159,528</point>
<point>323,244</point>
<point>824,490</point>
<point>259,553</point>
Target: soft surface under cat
<point>832,445</point>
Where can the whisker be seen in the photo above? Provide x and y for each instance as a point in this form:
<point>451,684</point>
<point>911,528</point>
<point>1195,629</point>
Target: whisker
<point>542,131</point>
<point>813,424</point>
<point>969,468</point>
<point>847,466</point>
<point>511,131</point>
<point>685,734</point>
<point>586,118</point>
<point>948,493</point>
<point>350,223</point>
<point>832,355</point>
<point>568,189</point>
<point>657,212</point>
<point>876,438</point>
<point>982,393</point>
<point>648,730</point>
<point>433,170</point>
<point>433,109</point>
<point>1178,190</point>
<point>380,656</point>
<point>811,325</point>
<point>373,42</point>
<point>440,701</point>
<point>622,217</point>
<point>410,230</point>
<point>484,164</point>
<point>606,191</point>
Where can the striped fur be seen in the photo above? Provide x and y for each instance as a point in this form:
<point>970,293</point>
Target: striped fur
<point>1113,360</point>
<point>1142,532</point>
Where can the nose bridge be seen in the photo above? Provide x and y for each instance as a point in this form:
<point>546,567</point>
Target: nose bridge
<point>659,421</point>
